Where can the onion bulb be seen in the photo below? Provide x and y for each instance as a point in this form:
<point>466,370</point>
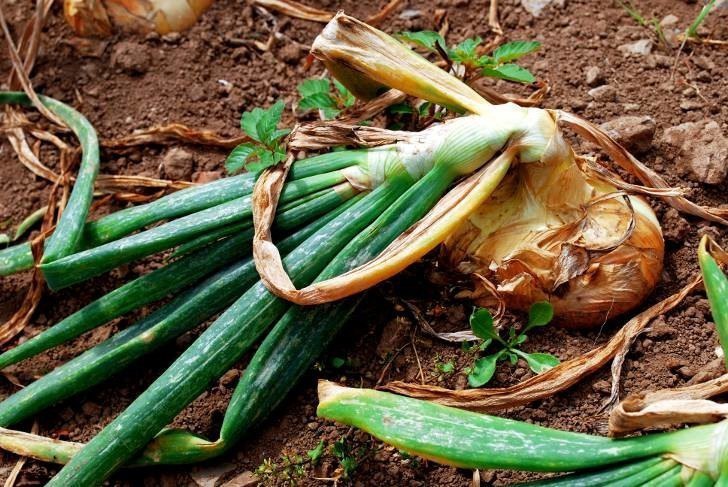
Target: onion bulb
<point>98,18</point>
<point>551,232</point>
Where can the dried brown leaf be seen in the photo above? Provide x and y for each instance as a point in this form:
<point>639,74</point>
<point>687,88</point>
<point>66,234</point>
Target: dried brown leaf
<point>629,163</point>
<point>669,407</point>
<point>547,383</point>
<point>174,132</point>
<point>383,14</point>
<point>296,10</point>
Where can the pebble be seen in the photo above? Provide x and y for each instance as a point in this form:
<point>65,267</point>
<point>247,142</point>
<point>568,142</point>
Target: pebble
<point>535,7</point>
<point>230,377</point>
<point>177,164</point>
<point>702,150</point>
<point>603,93</point>
<point>689,105</point>
<point>642,47</point>
<point>594,76</point>
<point>632,131</point>
<point>668,21</point>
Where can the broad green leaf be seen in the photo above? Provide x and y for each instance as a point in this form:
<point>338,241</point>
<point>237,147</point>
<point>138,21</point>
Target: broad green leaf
<point>539,362</point>
<point>279,133</point>
<point>249,123</point>
<point>238,157</point>
<point>424,109</point>
<point>511,51</point>
<point>465,52</point>
<point>313,86</point>
<point>346,96</point>
<point>316,101</point>
<point>520,339</point>
<point>268,122</point>
<point>481,321</point>
<point>483,370</point>
<point>541,313</point>
<point>510,72</point>
<point>512,358</point>
<point>264,158</point>
<point>316,453</point>
<point>337,362</point>
<point>330,113</point>
<point>423,38</point>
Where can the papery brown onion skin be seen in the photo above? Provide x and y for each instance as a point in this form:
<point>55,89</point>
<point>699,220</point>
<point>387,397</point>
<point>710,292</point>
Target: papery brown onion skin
<point>527,236</point>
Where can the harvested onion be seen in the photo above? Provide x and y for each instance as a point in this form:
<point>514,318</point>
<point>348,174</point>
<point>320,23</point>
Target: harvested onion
<point>99,17</point>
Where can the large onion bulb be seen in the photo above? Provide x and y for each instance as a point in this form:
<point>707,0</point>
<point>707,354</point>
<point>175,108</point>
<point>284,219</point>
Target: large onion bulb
<point>550,232</point>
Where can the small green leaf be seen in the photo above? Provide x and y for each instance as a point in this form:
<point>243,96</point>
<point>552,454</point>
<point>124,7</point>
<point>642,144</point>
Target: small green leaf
<point>330,113</point>
<point>400,109</point>
<point>540,314</point>
<point>510,51</point>
<point>483,370</point>
<point>465,52</point>
<point>485,344</point>
<point>481,321</point>
<point>512,358</point>
<point>316,453</point>
<point>447,367</point>
<point>346,96</point>
<point>510,72</point>
<point>424,109</point>
<point>423,38</point>
<point>337,362</point>
<point>520,339</point>
<point>238,157</point>
<point>268,123</point>
<point>511,333</point>
<point>313,86</point>
<point>540,362</point>
<point>316,101</point>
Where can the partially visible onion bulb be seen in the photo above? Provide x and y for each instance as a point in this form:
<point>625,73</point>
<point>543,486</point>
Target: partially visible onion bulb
<point>98,18</point>
<point>552,233</point>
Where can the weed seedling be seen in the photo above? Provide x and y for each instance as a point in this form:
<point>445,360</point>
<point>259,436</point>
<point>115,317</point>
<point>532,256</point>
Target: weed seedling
<point>316,94</point>
<point>261,125</point>
<point>481,321</point>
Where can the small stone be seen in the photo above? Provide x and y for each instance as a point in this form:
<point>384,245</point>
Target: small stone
<point>603,93</point>
<point>688,92</point>
<point>91,409</point>
<point>686,372</point>
<point>602,386</point>
<point>202,177</point>
<point>312,425</point>
<point>594,76</point>
<point>668,21</point>
<point>131,58</point>
<point>642,47</point>
<point>177,164</point>
<point>690,105</point>
<point>290,53</point>
<point>662,61</point>
<point>631,107</point>
<point>702,150</point>
<point>535,7</point>
<point>633,132</point>
<point>230,377</point>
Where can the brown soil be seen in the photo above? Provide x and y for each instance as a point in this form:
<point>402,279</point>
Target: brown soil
<point>178,81</point>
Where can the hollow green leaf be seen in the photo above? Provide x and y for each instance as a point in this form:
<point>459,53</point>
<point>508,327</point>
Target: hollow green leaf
<point>510,72</point>
<point>511,51</point>
<point>716,287</point>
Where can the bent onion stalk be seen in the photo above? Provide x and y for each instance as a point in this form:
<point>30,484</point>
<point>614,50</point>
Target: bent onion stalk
<point>470,440</point>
